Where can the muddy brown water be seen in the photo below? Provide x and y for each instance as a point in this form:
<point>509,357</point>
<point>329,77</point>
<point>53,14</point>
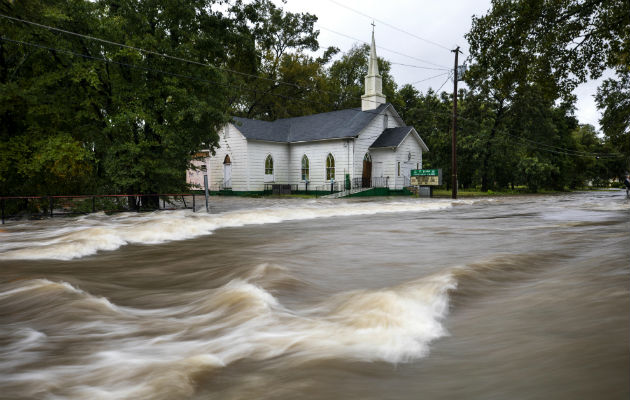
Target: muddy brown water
<point>514,297</point>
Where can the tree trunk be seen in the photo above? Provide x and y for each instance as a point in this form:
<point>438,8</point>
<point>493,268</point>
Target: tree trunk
<point>488,153</point>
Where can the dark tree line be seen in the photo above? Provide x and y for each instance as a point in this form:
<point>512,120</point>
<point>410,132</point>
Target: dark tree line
<point>85,116</point>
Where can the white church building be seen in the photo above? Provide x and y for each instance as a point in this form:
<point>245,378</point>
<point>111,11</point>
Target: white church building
<point>367,147</point>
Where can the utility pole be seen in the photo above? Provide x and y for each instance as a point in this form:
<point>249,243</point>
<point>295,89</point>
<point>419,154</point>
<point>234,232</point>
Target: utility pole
<point>454,138</point>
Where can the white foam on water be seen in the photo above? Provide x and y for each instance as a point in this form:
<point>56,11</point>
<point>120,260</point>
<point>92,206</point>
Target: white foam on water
<point>158,354</point>
<point>76,240</point>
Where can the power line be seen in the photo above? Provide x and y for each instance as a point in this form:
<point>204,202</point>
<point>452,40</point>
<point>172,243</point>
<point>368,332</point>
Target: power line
<point>155,52</point>
<point>416,66</point>
<point>441,86</point>
<point>148,69</point>
<point>383,48</point>
<point>550,148</point>
<point>183,59</point>
<point>531,143</point>
<point>165,72</point>
<point>390,25</point>
<point>426,79</point>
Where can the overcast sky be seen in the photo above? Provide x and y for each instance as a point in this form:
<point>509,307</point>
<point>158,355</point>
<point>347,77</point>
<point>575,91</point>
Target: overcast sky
<point>441,21</point>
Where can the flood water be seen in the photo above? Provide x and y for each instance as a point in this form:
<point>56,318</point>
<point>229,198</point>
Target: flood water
<point>399,298</point>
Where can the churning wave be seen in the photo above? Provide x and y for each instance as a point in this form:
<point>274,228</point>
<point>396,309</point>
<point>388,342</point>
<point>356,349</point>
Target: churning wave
<point>86,236</point>
<point>111,351</point>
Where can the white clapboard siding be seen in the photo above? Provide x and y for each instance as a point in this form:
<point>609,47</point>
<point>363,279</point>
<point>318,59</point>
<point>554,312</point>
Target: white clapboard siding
<point>317,152</point>
<point>258,152</point>
<point>231,142</point>
<point>409,146</point>
<point>385,156</point>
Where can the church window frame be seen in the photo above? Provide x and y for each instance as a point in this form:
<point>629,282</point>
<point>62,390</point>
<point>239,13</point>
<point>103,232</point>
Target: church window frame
<point>330,167</point>
<point>305,172</point>
<point>269,177</point>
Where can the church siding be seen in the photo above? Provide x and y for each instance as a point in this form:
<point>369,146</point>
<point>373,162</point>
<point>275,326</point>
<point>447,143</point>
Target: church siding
<point>317,153</point>
<point>369,134</point>
<point>258,152</point>
<point>234,145</point>
<point>409,145</point>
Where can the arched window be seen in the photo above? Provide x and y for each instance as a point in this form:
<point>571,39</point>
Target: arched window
<point>226,160</point>
<point>305,168</point>
<point>330,167</point>
<point>269,168</point>
<point>367,157</point>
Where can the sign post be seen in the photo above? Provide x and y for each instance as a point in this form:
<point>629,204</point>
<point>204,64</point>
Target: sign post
<point>205,186</point>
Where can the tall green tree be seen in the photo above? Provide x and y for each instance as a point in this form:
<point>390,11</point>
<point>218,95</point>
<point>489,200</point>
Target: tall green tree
<point>528,56</point>
<point>81,115</point>
<point>286,81</point>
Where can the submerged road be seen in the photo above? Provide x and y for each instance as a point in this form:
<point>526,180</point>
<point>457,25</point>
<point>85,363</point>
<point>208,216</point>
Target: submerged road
<point>512,297</point>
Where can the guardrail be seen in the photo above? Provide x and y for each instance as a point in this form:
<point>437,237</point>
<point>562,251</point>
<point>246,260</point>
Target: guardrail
<point>50,206</point>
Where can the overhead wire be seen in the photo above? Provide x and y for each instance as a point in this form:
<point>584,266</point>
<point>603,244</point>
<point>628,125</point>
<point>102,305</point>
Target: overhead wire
<point>142,50</point>
<point>442,85</point>
<point>389,25</point>
<point>382,48</point>
<point>540,146</point>
<point>184,76</point>
<point>416,66</point>
<point>429,78</point>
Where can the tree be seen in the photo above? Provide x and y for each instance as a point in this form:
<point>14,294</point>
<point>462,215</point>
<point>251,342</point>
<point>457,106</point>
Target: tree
<point>44,95</point>
<point>614,98</point>
<point>287,82</point>
<point>524,48</point>
<point>80,115</point>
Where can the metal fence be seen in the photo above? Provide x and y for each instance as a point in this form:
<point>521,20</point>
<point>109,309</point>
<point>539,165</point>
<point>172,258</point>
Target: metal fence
<point>360,182</point>
<point>50,206</point>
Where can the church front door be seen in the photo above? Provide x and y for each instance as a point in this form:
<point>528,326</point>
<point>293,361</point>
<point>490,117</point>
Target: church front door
<point>366,180</point>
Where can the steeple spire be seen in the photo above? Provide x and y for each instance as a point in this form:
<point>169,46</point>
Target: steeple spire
<point>373,63</point>
<point>373,96</point>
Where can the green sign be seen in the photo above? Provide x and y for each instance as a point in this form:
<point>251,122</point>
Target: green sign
<point>426,177</point>
<point>425,172</point>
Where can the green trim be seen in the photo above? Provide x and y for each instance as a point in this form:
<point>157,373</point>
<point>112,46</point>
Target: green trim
<point>382,192</point>
<point>319,193</point>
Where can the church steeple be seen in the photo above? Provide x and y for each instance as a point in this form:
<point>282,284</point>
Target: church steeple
<point>373,96</point>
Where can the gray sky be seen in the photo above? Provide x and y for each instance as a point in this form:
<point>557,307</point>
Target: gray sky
<point>441,21</point>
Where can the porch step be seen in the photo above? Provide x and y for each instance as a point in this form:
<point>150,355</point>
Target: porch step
<point>345,193</point>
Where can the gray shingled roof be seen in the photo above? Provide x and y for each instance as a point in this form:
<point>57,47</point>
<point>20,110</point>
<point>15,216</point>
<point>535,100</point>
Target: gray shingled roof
<point>331,125</point>
<point>392,137</point>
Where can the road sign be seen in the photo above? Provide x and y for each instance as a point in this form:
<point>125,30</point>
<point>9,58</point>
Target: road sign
<point>425,172</point>
<point>426,177</point>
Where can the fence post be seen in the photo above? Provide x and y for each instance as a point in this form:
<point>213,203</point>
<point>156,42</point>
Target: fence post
<point>193,196</point>
<point>93,204</point>
<point>2,207</point>
<point>51,204</point>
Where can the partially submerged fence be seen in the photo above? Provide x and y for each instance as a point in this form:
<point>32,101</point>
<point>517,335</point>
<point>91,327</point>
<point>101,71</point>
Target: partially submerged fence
<point>50,206</point>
